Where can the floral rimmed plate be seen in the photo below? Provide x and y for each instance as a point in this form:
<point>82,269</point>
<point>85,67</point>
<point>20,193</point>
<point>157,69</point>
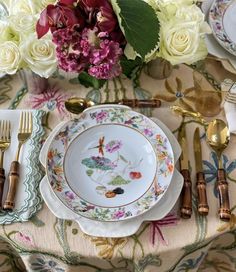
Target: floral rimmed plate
<point>114,168</point>
<point>100,116</point>
<point>223,23</point>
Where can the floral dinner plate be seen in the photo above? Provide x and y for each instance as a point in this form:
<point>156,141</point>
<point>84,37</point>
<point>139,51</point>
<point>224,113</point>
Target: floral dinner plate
<point>223,23</point>
<point>110,164</point>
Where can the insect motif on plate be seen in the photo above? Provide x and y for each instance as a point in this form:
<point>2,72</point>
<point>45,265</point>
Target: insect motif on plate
<point>100,146</point>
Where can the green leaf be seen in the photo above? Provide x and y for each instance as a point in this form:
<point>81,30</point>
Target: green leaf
<point>123,159</point>
<point>118,180</point>
<point>36,221</point>
<point>89,81</point>
<point>89,172</point>
<point>129,65</point>
<point>94,95</point>
<point>74,81</point>
<point>139,23</point>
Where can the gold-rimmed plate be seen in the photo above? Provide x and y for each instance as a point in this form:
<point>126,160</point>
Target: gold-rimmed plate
<point>107,202</point>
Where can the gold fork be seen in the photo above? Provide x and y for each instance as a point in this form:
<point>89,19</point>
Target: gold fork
<point>25,130</point>
<point>231,98</point>
<point>5,140</point>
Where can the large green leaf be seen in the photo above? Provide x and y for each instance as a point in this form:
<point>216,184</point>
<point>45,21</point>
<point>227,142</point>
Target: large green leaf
<point>139,23</point>
<point>90,81</point>
<point>129,65</point>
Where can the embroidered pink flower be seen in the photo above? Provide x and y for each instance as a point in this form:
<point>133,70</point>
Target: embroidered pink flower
<point>52,99</point>
<point>118,214</point>
<point>24,239</point>
<point>113,146</point>
<point>155,228</point>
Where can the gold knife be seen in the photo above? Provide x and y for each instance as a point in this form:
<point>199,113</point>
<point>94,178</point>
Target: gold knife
<point>186,194</point>
<point>203,207</point>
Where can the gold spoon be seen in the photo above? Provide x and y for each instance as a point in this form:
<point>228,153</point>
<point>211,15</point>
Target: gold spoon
<point>218,136</point>
<point>77,105</point>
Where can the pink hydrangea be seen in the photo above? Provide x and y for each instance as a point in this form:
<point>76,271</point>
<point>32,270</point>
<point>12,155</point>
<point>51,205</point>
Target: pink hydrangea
<point>77,52</point>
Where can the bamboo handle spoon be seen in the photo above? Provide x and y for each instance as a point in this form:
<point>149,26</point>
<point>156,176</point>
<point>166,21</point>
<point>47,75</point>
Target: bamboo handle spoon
<point>76,105</point>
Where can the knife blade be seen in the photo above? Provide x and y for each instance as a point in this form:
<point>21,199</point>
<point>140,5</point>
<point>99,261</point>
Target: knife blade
<point>203,207</point>
<point>186,194</point>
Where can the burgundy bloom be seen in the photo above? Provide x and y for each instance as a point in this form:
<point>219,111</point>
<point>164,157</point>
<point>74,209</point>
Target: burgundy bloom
<point>106,19</point>
<point>87,36</point>
<point>57,16</point>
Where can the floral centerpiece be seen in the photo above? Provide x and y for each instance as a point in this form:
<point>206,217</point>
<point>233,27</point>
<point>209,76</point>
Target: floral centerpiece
<point>99,39</point>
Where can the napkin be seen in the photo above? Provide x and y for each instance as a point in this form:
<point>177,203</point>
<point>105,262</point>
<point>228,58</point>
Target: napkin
<point>28,200</point>
<point>230,108</point>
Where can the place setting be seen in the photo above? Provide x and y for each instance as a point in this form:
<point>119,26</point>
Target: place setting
<point>99,177</point>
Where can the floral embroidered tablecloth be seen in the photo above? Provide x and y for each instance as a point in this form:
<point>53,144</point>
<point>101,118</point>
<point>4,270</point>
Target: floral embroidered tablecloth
<point>204,244</point>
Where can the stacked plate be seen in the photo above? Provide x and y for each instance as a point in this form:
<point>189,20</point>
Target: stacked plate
<point>111,167</point>
<point>221,17</point>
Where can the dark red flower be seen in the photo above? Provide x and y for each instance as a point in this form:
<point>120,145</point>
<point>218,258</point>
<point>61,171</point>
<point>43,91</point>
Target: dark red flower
<point>56,17</point>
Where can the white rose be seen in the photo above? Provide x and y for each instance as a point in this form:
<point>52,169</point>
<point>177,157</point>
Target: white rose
<point>193,14</point>
<point>10,57</point>
<point>45,3</point>
<point>4,31</point>
<point>168,8</point>
<point>40,55</point>
<point>25,6</point>
<point>23,23</point>
<point>181,42</point>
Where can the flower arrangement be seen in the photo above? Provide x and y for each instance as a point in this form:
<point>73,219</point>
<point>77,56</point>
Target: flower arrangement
<point>99,39</point>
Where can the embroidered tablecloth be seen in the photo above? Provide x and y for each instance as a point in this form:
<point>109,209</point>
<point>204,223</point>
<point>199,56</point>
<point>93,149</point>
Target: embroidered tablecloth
<point>204,244</point>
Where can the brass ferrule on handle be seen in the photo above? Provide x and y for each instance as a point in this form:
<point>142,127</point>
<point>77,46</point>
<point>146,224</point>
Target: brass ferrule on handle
<point>2,181</point>
<point>223,190</point>
<point>136,103</point>
<point>13,183</point>
<point>186,196</point>
<point>203,208</point>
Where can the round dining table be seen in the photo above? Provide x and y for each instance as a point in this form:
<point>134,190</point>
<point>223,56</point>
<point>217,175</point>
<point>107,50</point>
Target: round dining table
<point>43,242</point>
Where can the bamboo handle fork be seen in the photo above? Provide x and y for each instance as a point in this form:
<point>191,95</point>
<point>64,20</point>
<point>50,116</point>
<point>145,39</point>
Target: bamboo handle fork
<point>5,140</point>
<point>25,130</point>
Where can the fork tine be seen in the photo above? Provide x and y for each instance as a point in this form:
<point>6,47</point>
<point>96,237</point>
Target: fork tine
<point>1,129</point>
<point>5,130</point>
<point>21,122</point>
<point>30,122</point>
<point>8,131</point>
<point>25,122</point>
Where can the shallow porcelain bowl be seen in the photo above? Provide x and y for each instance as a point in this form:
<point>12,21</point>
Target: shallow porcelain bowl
<point>222,20</point>
<point>110,165</point>
<point>109,201</point>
